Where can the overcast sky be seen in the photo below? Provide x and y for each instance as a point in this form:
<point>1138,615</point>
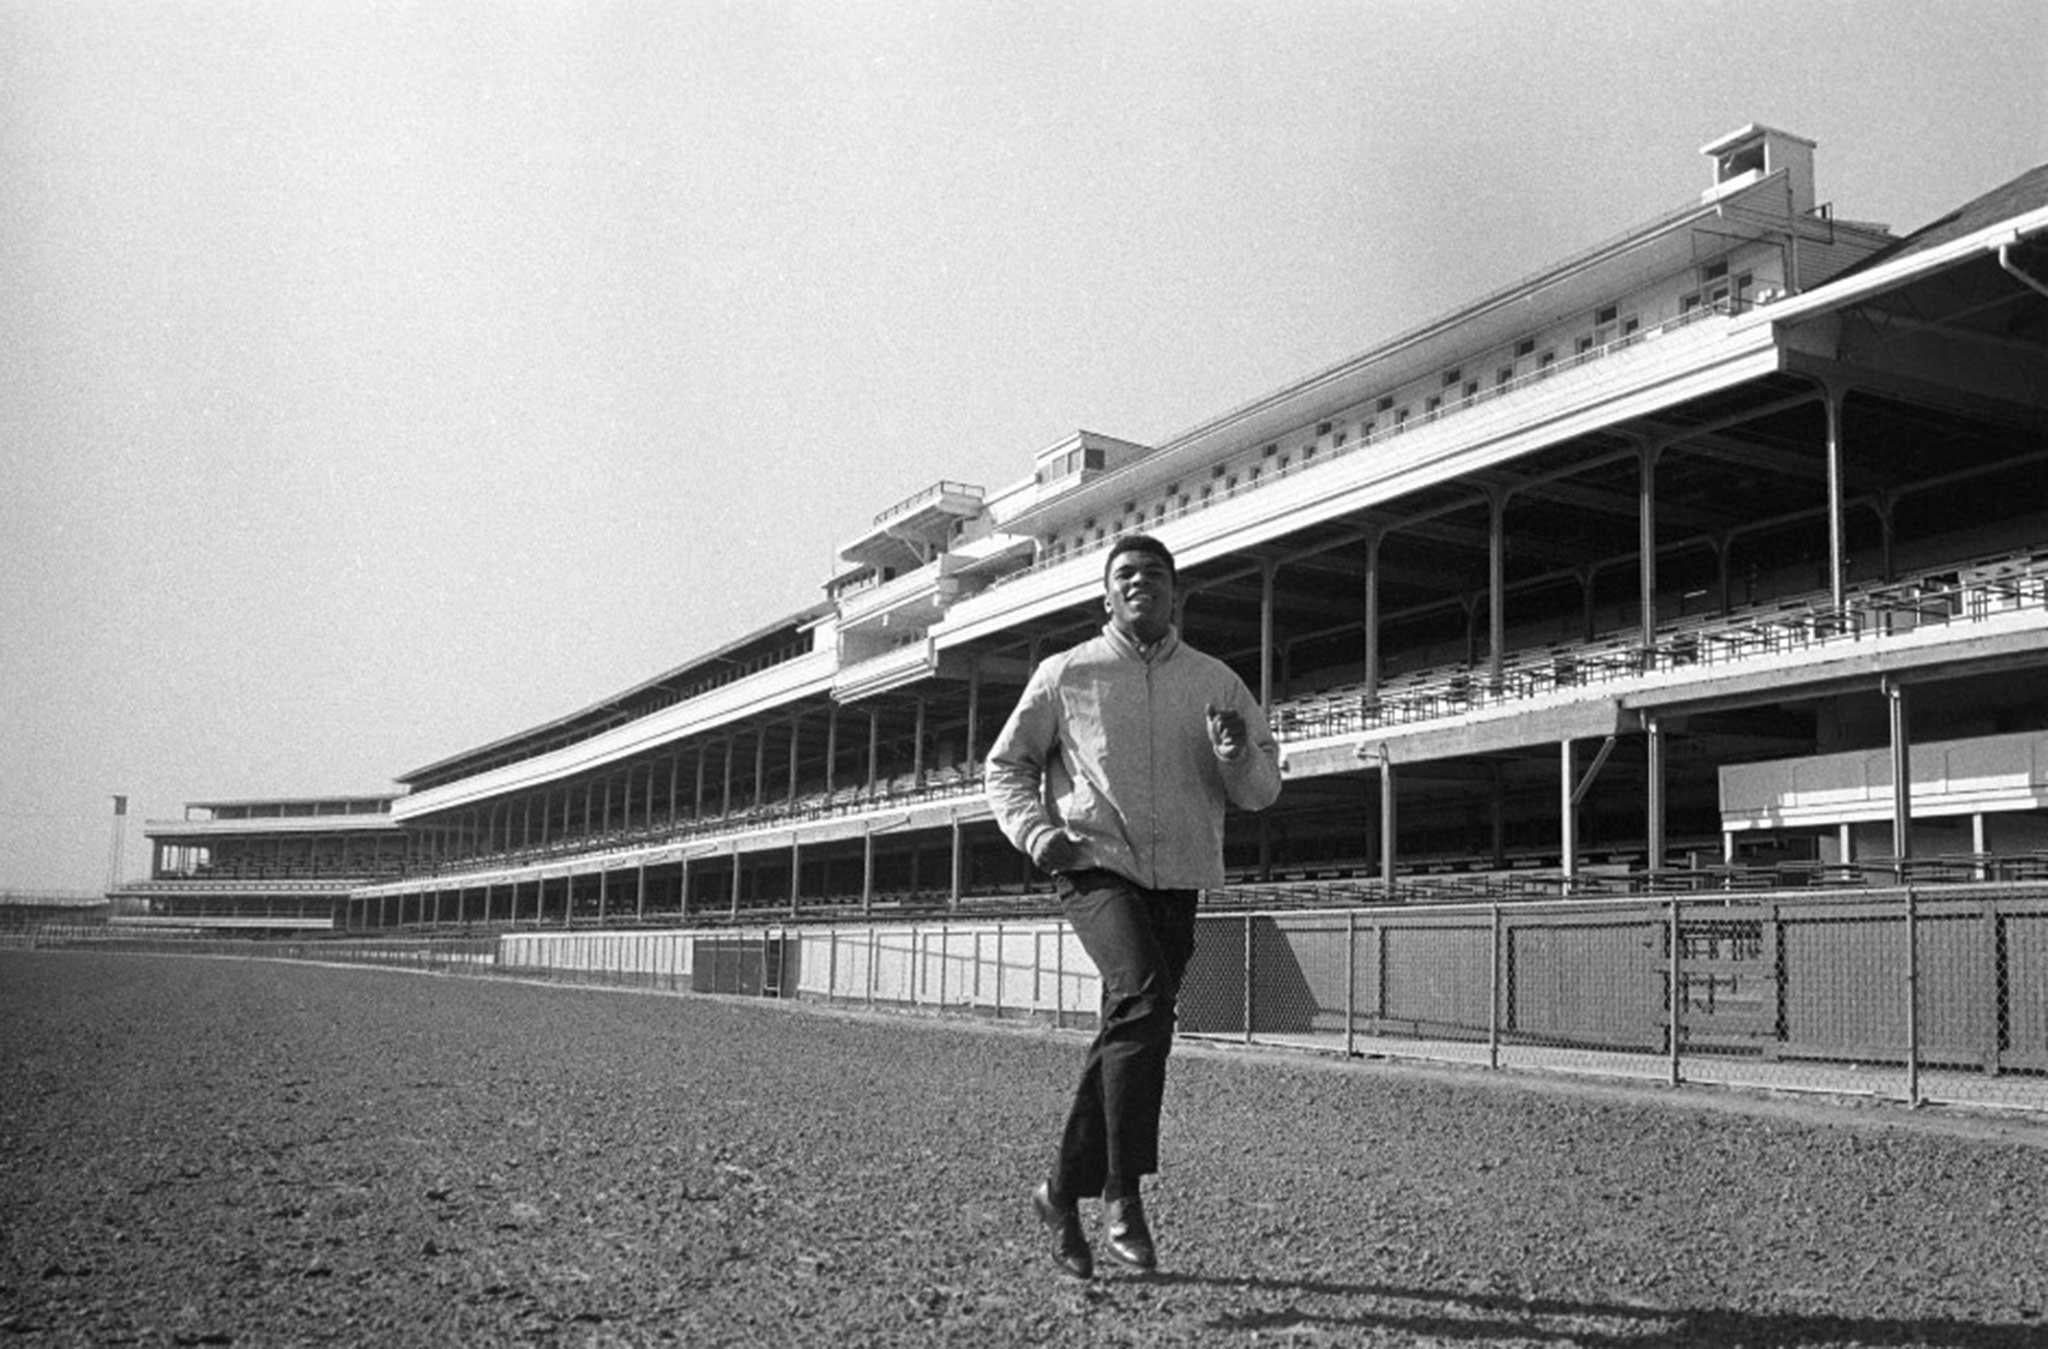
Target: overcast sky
<point>379,379</point>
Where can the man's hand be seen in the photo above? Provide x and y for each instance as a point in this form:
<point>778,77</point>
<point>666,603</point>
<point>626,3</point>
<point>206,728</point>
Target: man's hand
<point>1227,735</point>
<point>1060,852</point>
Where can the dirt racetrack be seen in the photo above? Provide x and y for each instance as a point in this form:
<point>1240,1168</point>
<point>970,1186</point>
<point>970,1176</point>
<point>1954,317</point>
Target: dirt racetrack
<point>221,1152</point>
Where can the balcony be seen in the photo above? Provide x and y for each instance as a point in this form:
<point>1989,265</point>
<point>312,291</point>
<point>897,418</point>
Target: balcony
<point>911,531</point>
<point>909,603</point>
<point>861,677</point>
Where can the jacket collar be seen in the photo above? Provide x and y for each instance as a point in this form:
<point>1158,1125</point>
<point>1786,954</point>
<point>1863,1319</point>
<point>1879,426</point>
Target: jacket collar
<point>1124,646</point>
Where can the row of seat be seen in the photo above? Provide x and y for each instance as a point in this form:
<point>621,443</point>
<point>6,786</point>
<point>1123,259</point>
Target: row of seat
<point>1973,591</point>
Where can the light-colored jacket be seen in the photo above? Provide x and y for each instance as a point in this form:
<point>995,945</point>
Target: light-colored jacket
<point>1114,749</point>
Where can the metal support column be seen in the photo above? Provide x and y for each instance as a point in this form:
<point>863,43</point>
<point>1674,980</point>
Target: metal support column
<point>760,767</point>
<point>1496,590</point>
<point>1837,554</point>
<point>795,733</point>
<point>1902,776</point>
<point>725,790</point>
<point>1268,569</point>
<point>1372,616</point>
<point>874,747</point>
<point>1653,743</point>
<point>867,869</point>
<point>1646,542</point>
<point>917,744</point>
<point>831,749</point>
<point>1567,826</point>
<point>959,867</point>
<point>973,714</point>
<point>1387,815</point>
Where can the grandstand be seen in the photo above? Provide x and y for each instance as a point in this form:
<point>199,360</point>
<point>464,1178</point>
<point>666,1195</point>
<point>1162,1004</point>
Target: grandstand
<point>1704,558</point>
<point>261,866</point>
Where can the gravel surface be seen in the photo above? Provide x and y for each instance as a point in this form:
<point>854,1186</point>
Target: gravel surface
<point>219,1152</point>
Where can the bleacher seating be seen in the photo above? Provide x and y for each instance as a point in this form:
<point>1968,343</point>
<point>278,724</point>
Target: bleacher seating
<point>1971,592</point>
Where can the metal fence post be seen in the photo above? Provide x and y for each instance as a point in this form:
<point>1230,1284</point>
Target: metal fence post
<point>1671,997</point>
<point>1350,981</point>
<point>999,970</point>
<point>1912,999</point>
<point>1493,996</point>
<point>1248,1008</point>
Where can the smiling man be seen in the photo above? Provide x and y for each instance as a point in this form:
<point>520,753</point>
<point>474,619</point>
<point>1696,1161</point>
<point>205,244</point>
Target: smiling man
<point>1113,775</point>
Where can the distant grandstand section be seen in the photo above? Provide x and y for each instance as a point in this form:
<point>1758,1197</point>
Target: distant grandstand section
<point>283,865</point>
<point>20,908</point>
<point>1713,556</point>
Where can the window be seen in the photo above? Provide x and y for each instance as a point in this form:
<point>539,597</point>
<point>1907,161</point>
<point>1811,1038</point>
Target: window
<point>1308,452</point>
<point>1323,429</point>
<point>1585,345</point>
<point>1503,377</point>
<point>1452,376</point>
<point>1217,471</point>
<point>1365,430</point>
<point>1471,389</point>
<point>1605,315</point>
<point>1429,409</point>
<point>1283,463</point>
<point>1386,404</point>
<point>1400,418</point>
<point>1252,475</point>
<point>1525,347</point>
<point>1341,436</point>
<point>1545,361</point>
<point>1271,450</point>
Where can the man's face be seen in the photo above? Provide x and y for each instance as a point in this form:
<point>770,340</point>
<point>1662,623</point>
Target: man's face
<point>1139,595</point>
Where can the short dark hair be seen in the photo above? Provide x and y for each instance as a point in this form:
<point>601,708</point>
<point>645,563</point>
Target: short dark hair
<point>1138,543</point>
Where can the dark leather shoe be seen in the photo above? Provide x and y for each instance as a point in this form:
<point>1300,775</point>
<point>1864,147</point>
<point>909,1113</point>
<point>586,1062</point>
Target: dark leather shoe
<point>1069,1242</point>
<point>1130,1237</point>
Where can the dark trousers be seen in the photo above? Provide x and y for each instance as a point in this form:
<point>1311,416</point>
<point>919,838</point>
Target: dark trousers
<point>1140,941</point>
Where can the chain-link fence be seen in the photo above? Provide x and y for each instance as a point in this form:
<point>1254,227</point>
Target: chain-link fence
<point>1898,994</point>
<point>1908,994</point>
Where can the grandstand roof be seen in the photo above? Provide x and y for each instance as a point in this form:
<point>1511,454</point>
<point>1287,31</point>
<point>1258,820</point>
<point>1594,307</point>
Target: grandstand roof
<point>1658,244</point>
<point>2028,192</point>
<point>277,805</point>
<point>618,707</point>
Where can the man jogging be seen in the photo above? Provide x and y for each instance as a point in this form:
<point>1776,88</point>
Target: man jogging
<point>1113,774</point>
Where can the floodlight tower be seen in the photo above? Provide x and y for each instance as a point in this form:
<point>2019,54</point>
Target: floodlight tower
<point>114,850</point>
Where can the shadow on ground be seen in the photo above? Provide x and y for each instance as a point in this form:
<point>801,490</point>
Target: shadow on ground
<point>1453,1317</point>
